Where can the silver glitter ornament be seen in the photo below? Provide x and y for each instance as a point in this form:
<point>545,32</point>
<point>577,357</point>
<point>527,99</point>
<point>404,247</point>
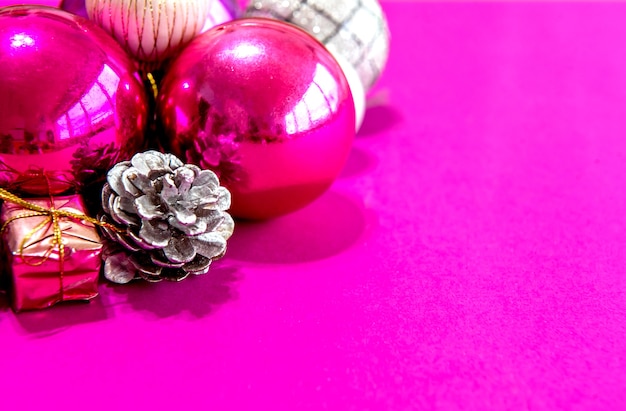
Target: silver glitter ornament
<point>354,29</point>
<point>171,219</point>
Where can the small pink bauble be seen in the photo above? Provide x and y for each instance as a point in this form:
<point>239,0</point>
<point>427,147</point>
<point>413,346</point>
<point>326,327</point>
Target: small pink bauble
<point>71,104</point>
<point>265,106</point>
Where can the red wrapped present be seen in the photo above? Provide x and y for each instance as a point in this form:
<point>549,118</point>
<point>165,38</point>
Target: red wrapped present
<point>52,254</point>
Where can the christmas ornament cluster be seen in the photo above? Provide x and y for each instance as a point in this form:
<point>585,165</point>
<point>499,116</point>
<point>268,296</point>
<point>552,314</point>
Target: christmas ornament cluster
<point>132,130</point>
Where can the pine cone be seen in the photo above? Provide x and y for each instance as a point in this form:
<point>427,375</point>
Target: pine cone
<point>171,219</point>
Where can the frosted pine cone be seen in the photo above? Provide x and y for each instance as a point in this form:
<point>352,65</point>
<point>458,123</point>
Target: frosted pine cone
<point>171,219</point>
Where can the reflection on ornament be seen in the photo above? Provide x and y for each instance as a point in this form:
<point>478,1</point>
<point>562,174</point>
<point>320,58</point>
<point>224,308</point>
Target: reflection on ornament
<point>71,103</point>
<point>266,107</point>
<point>354,29</point>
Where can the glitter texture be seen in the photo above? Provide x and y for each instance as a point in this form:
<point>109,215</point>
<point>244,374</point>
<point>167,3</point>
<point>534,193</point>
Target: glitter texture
<point>354,29</point>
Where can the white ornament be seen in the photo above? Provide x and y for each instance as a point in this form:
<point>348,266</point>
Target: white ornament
<point>354,29</point>
<point>150,30</point>
<point>356,87</point>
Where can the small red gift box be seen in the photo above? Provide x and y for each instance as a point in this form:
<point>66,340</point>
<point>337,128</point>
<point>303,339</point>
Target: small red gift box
<point>42,273</point>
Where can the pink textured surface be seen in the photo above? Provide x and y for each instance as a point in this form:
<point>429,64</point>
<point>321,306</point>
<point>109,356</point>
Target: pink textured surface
<point>469,257</point>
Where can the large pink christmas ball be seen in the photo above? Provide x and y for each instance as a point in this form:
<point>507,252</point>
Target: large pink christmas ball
<point>265,106</point>
<point>71,103</point>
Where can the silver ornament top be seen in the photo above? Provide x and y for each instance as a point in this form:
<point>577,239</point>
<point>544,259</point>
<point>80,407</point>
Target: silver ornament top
<point>357,30</point>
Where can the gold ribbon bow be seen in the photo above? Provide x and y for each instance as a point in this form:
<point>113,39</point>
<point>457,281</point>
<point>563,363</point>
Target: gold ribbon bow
<point>54,215</point>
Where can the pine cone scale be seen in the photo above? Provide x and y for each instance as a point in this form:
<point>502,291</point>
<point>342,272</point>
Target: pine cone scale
<point>128,176</point>
<point>114,177</point>
<point>180,250</point>
<point>155,234</point>
<point>210,248</point>
<point>160,261</point>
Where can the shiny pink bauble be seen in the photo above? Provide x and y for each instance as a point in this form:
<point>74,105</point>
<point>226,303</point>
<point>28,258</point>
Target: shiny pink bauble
<point>71,102</point>
<point>266,107</point>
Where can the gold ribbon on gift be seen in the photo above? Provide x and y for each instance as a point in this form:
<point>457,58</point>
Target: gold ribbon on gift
<point>53,216</point>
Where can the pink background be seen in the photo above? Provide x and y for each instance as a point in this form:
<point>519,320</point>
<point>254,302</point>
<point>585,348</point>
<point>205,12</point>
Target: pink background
<point>469,257</point>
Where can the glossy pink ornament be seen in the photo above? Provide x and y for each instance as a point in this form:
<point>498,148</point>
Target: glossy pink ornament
<point>266,107</point>
<point>71,103</point>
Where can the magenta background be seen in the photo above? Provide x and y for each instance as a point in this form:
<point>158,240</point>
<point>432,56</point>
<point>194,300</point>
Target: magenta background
<point>470,256</point>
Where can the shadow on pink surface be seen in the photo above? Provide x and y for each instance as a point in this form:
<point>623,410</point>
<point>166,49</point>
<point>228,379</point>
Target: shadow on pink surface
<point>4,301</point>
<point>378,119</point>
<point>47,322</point>
<point>198,296</point>
<point>325,228</point>
<point>162,300</point>
<point>359,162</point>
